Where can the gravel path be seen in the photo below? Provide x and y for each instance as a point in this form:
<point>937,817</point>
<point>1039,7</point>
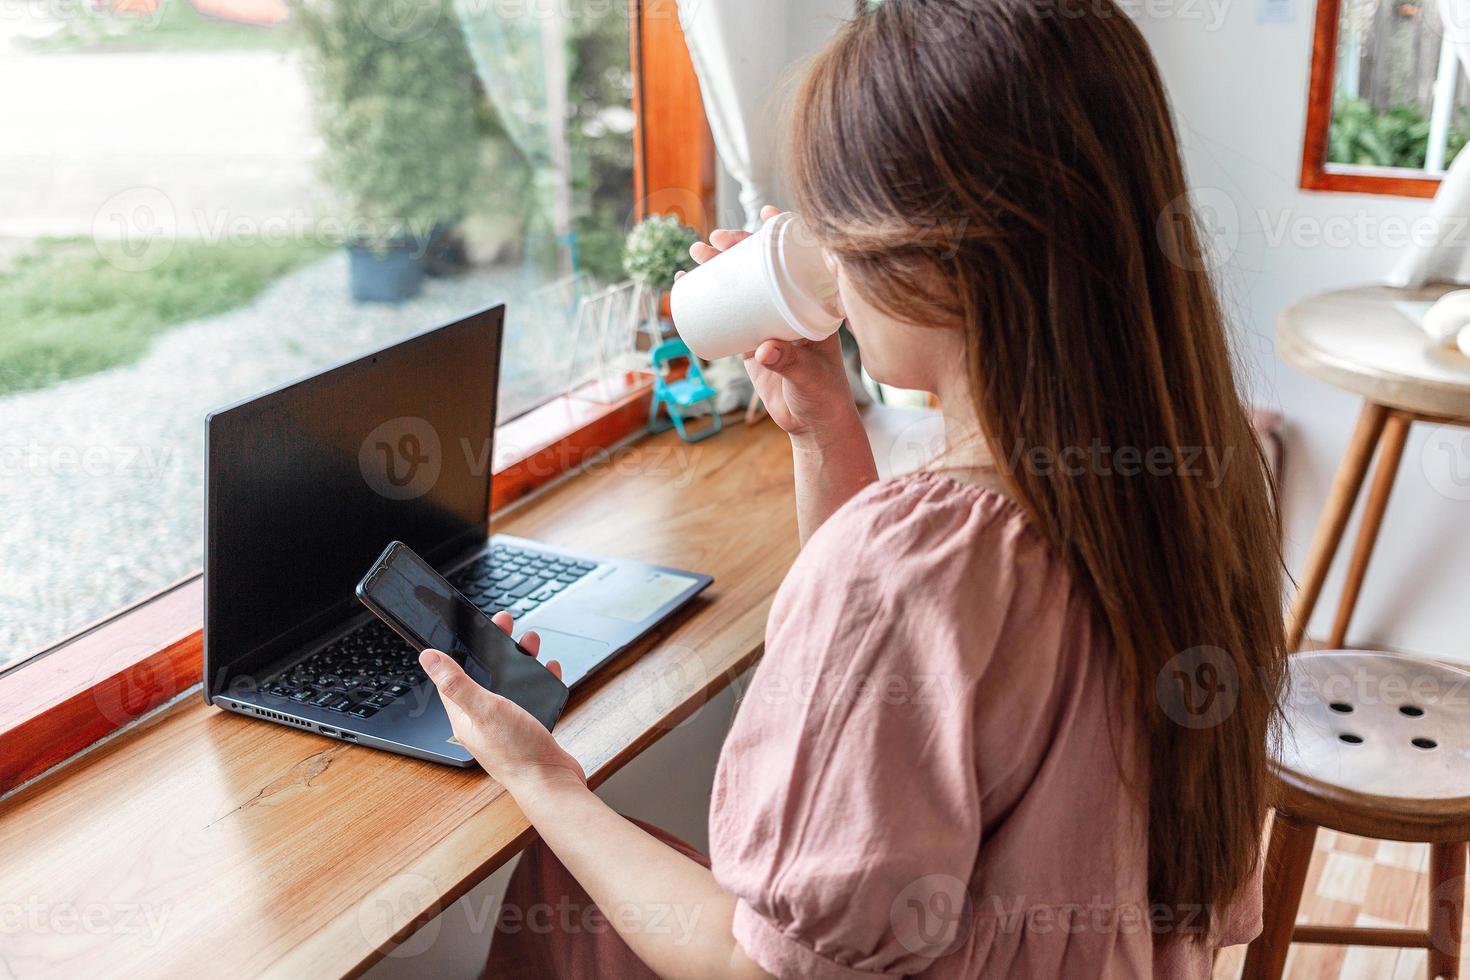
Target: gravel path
<point>101,478</point>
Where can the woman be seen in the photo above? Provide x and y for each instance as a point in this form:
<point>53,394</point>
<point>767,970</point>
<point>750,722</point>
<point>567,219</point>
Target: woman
<point>1077,603</point>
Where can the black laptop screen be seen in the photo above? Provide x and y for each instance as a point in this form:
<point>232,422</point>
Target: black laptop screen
<point>308,484</point>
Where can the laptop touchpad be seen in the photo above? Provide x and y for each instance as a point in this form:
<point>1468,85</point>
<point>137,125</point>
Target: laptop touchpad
<point>576,653</point>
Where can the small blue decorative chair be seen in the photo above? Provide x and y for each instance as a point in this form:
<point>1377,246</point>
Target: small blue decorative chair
<point>680,395</point>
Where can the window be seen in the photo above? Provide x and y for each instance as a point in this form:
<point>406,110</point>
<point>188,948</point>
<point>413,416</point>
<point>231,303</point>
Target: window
<point>1387,108</point>
<point>143,233</point>
<point>191,191</point>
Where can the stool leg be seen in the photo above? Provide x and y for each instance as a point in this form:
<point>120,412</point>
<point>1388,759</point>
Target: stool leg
<point>1390,451</point>
<point>1345,487</point>
<point>1286,873</point>
<point>1446,909</point>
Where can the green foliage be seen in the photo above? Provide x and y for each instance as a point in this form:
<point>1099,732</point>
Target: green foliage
<point>600,134</point>
<point>65,311</point>
<point>400,115</point>
<point>1396,137</point>
<point>656,249</point>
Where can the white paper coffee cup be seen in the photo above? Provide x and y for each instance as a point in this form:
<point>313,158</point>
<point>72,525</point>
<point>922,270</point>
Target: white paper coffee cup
<point>774,285</point>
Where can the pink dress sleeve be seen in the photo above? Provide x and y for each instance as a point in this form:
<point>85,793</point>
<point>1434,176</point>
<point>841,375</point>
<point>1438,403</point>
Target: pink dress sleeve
<point>846,815</point>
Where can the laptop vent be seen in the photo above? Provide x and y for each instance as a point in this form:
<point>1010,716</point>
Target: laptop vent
<point>277,716</point>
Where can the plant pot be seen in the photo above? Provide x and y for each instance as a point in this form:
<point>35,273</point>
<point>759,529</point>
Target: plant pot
<point>390,273</point>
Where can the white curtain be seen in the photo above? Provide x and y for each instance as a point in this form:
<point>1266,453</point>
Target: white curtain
<point>1447,257</point>
<point>742,51</point>
<point>521,57</point>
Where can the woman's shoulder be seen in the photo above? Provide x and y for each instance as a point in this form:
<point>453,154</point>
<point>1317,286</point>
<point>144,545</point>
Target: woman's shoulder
<point>920,565</point>
<point>922,523</point>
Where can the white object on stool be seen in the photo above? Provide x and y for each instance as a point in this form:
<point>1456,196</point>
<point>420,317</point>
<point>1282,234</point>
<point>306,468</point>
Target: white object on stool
<point>1464,341</point>
<point>1449,319</point>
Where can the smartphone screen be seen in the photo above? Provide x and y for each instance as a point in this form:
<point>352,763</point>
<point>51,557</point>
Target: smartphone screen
<point>422,607</point>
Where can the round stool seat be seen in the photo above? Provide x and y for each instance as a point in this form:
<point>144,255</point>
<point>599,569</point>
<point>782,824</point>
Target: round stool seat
<point>1377,745</point>
<point>1361,341</point>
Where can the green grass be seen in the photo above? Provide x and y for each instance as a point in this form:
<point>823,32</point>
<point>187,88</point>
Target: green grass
<point>65,311</point>
<point>177,26</point>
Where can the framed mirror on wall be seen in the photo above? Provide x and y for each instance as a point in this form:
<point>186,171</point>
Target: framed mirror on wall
<point>1388,104</point>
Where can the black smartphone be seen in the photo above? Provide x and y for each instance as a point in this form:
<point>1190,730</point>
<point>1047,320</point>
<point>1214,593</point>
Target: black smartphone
<point>422,607</point>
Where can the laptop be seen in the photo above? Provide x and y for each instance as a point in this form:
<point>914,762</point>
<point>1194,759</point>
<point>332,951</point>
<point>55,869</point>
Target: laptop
<point>306,484</point>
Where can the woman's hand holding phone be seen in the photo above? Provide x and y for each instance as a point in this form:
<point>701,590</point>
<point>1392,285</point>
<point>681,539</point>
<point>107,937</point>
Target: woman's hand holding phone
<point>505,740</point>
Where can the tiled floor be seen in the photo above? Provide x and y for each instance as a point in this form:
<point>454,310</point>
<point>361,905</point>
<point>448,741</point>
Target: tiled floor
<point>1354,881</point>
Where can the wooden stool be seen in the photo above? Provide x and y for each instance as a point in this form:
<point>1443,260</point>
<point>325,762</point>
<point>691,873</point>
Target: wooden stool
<point>1375,745</point>
<point>1358,340</point>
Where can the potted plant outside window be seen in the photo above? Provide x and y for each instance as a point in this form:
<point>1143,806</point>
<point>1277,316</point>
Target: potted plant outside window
<point>398,118</point>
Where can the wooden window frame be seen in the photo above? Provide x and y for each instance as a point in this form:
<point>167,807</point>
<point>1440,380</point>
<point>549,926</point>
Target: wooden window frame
<point>1316,173</point>
<point>94,682</point>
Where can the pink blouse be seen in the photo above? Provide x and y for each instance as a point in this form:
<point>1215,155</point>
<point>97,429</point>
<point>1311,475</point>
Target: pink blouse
<point>921,779</point>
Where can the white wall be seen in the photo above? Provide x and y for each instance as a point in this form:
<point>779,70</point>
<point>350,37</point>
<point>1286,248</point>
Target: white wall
<point>1239,92</point>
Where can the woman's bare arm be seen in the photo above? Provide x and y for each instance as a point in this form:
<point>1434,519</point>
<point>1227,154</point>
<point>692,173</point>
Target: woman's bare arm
<point>668,909</point>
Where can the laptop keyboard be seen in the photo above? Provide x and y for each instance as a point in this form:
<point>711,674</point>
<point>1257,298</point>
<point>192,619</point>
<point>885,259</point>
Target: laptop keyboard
<point>517,579</point>
<point>368,669</point>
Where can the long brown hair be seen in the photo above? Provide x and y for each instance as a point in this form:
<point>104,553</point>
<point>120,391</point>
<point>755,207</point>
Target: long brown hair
<point>1022,154</point>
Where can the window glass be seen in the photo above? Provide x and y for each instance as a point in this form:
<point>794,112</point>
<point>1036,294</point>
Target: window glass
<point>1399,96</point>
<point>201,199</point>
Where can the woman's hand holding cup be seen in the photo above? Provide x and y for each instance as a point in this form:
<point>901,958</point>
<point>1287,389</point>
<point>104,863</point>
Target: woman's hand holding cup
<point>803,383</point>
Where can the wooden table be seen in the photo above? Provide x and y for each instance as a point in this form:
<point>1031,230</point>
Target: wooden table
<point>202,843</point>
<point>1357,340</point>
